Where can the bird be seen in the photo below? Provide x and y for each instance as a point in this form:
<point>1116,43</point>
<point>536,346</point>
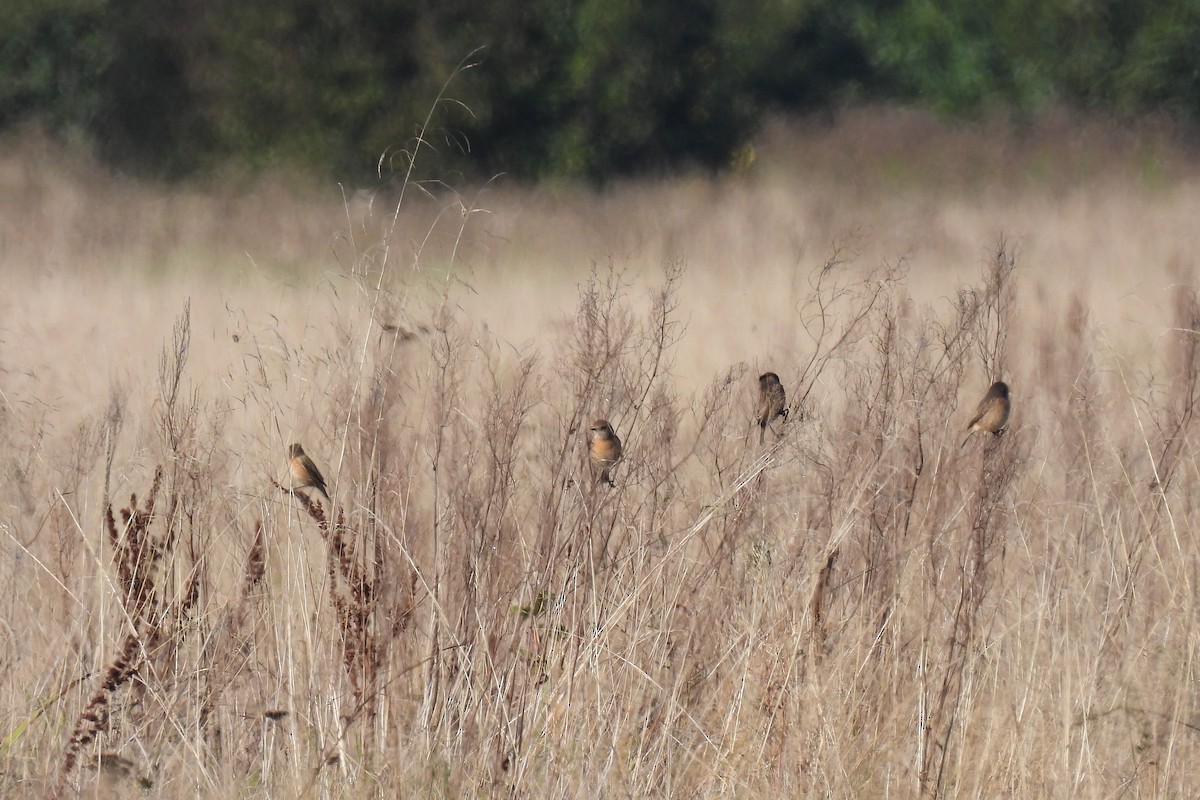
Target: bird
<point>305,472</point>
<point>605,449</point>
<point>772,402</point>
<point>992,414</point>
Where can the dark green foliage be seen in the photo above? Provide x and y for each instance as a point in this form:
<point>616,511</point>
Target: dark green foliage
<point>1163,67</point>
<point>546,88</point>
<point>51,55</point>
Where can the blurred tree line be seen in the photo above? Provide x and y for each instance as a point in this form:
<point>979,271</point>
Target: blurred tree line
<point>576,88</point>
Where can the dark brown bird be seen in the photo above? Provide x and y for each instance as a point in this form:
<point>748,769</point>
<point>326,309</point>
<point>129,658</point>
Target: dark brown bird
<point>772,402</point>
<point>305,472</point>
<point>605,449</point>
<point>992,414</point>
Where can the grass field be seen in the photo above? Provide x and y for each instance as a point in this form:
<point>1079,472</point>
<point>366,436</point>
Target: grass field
<point>856,607</point>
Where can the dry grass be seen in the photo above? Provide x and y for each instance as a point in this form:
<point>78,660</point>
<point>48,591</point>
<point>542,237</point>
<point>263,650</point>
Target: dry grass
<point>854,609</point>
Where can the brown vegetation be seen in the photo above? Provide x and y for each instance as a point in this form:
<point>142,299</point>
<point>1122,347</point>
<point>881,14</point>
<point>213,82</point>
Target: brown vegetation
<point>852,608</point>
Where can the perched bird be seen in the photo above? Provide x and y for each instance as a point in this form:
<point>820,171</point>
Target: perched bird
<point>992,414</point>
<point>772,402</point>
<point>605,449</point>
<point>305,472</point>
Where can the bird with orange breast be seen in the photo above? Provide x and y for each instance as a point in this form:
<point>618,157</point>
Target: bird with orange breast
<point>305,472</point>
<point>992,413</point>
<point>605,449</point>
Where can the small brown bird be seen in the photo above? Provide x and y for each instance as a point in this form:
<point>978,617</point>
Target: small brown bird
<point>992,414</point>
<point>305,472</point>
<point>605,449</point>
<point>772,402</point>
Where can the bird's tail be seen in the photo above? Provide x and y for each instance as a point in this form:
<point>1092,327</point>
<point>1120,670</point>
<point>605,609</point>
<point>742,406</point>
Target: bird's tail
<point>964,444</point>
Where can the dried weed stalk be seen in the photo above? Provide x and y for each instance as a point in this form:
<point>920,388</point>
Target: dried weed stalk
<point>976,556</point>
